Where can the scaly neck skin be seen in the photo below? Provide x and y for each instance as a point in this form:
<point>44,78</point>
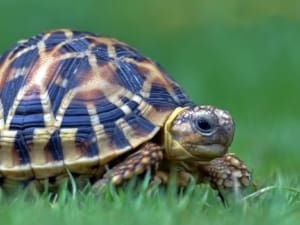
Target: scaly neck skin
<point>174,151</point>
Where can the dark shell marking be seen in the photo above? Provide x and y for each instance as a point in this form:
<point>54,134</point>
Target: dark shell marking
<point>72,100</point>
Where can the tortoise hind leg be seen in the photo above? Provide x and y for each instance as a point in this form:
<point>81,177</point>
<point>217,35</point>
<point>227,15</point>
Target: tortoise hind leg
<point>148,156</point>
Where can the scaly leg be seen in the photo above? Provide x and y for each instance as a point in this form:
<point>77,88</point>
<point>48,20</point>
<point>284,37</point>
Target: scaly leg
<point>148,156</point>
<point>163,178</point>
<point>225,173</point>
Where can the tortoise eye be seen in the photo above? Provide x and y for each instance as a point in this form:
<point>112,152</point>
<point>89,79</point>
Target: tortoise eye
<point>204,125</point>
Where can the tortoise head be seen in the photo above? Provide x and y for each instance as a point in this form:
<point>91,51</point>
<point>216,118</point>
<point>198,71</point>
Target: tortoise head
<point>200,132</point>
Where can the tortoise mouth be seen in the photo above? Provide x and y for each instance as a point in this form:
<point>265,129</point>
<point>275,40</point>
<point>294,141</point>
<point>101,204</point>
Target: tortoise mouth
<point>207,152</point>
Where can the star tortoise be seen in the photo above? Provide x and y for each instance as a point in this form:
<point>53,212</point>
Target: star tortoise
<point>77,103</point>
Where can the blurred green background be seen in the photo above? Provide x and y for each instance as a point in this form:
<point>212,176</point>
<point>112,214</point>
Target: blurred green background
<point>242,55</point>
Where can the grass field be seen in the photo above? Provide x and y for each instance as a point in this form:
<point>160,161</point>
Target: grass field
<point>276,204</point>
<point>240,55</point>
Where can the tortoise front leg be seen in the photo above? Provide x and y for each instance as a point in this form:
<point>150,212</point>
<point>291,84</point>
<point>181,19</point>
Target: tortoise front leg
<point>225,173</point>
<point>148,156</point>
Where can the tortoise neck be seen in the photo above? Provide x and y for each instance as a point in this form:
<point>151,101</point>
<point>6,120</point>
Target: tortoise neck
<point>173,149</point>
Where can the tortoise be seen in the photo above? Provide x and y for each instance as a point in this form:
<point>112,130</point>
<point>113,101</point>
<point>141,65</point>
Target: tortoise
<point>91,106</point>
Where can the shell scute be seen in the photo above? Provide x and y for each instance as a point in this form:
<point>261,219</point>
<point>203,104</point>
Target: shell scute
<point>10,94</point>
<point>54,147</point>
<point>129,77</point>
<point>54,38</point>
<point>100,51</point>
<point>76,45</point>
<point>26,59</point>
<point>125,51</point>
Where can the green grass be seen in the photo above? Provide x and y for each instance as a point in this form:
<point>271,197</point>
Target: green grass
<point>277,204</point>
<point>240,55</point>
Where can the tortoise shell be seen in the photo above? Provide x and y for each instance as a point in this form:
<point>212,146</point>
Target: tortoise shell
<point>75,101</point>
